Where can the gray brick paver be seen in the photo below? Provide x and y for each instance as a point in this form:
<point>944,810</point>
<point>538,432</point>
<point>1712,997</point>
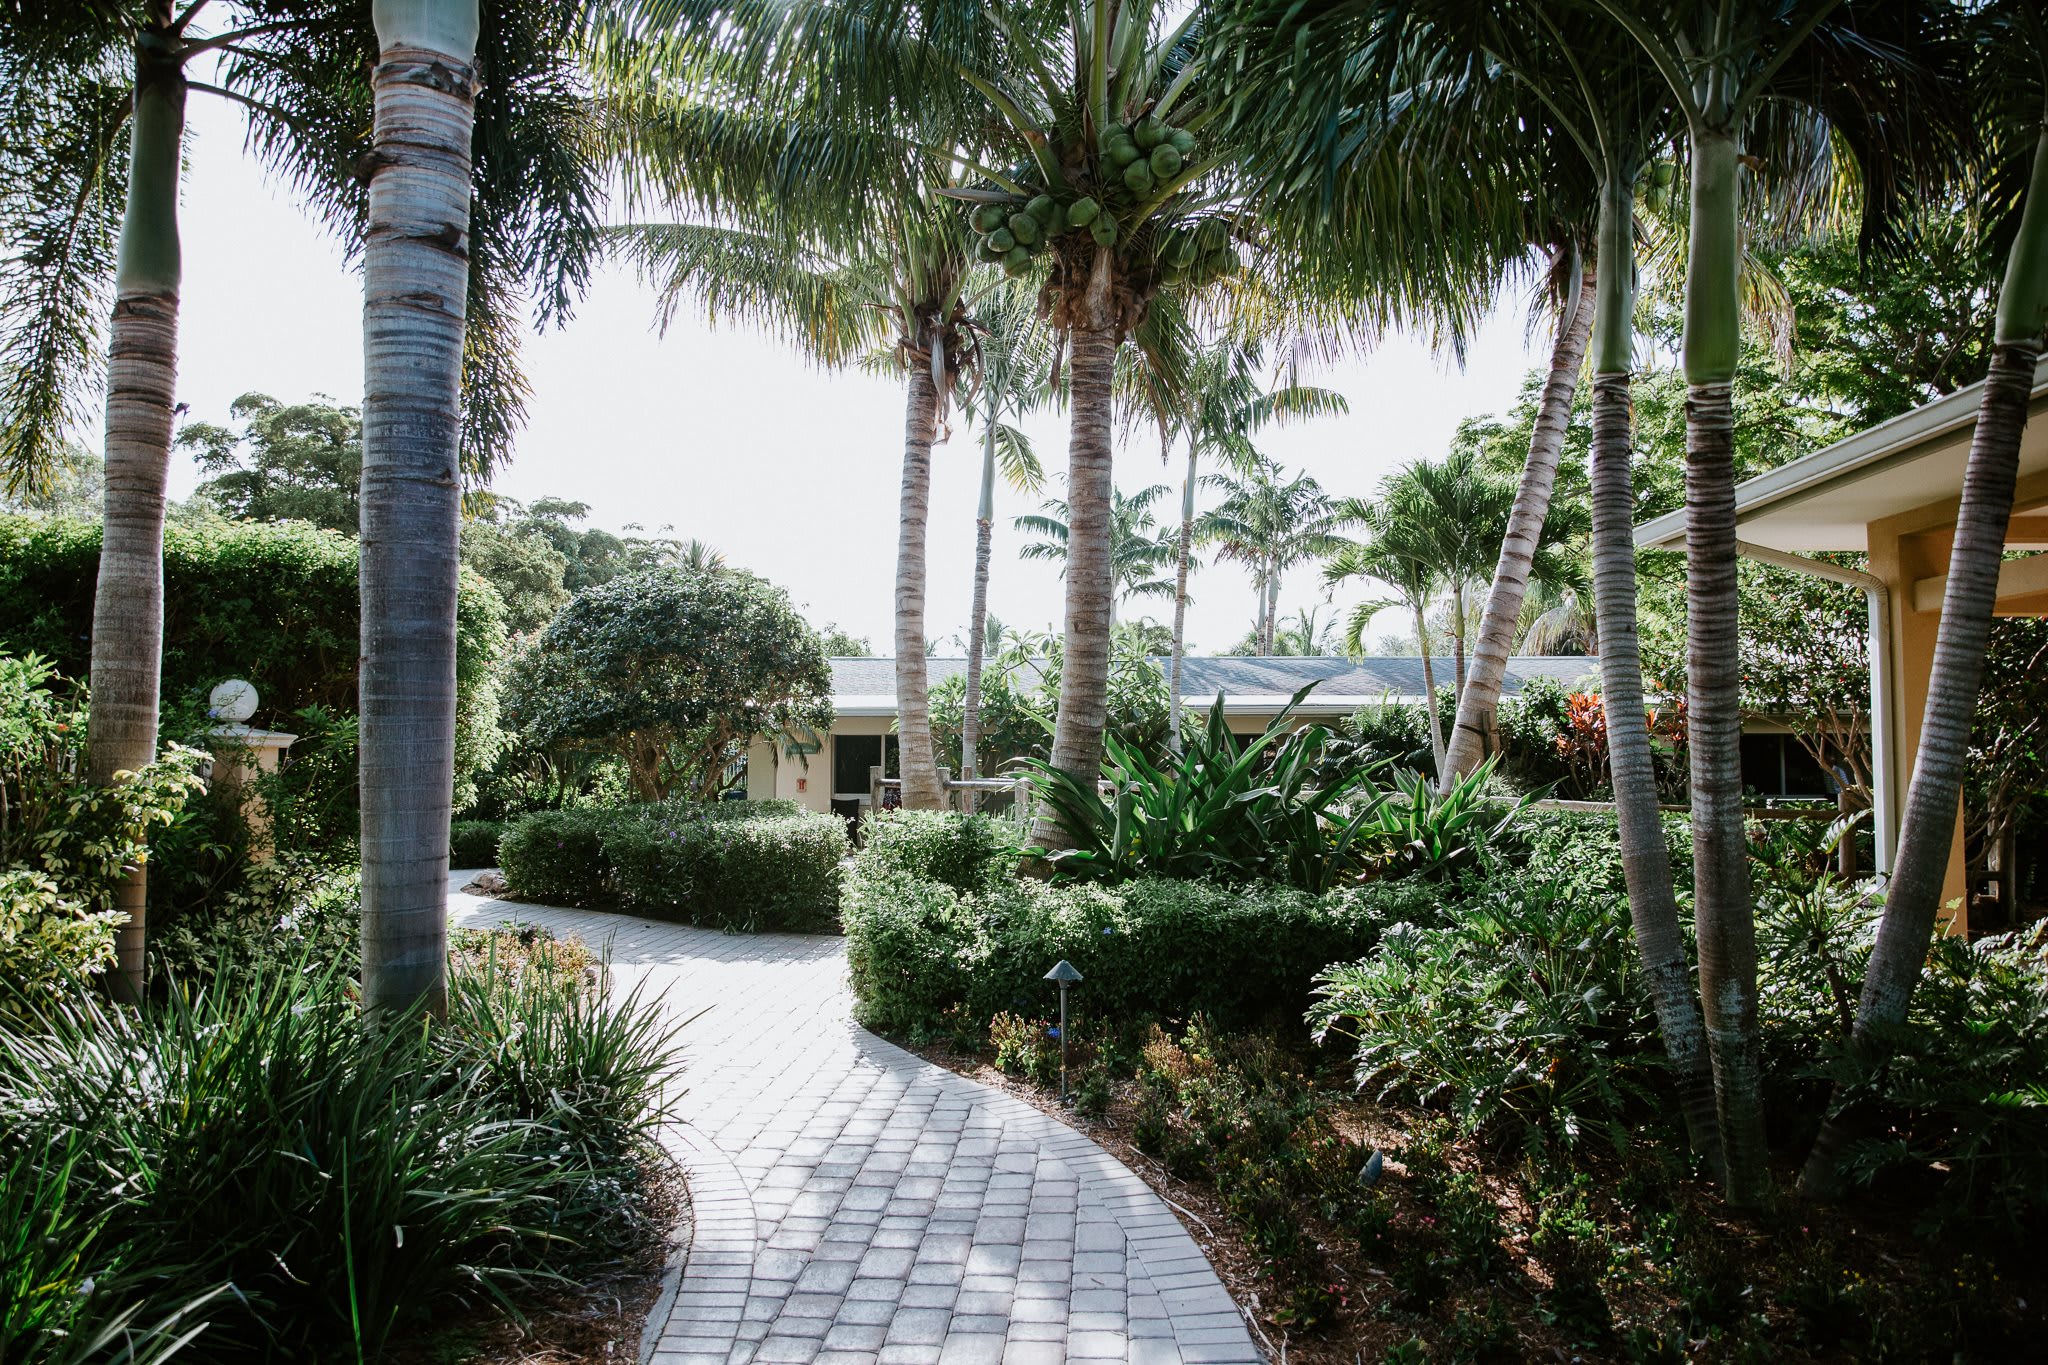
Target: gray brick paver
<point>853,1203</point>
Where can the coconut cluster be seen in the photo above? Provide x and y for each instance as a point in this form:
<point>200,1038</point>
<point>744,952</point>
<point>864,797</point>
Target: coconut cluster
<point>1133,162</point>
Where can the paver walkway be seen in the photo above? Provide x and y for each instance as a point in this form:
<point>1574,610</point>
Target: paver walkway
<point>854,1203</point>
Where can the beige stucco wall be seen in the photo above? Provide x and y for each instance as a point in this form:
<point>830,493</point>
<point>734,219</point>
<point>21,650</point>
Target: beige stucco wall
<point>771,774</point>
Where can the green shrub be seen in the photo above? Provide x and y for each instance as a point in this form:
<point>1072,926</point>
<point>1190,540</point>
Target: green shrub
<point>1522,1016</point>
<point>474,843</point>
<point>736,865</point>
<point>557,857</point>
<point>919,949</point>
<point>963,851</point>
<point>65,844</point>
<point>1276,809</point>
<point>346,1181</point>
<point>273,602</point>
<point>741,865</point>
<point>291,907</point>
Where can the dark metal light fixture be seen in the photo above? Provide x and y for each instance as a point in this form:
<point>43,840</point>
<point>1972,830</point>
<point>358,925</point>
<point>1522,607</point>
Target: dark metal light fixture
<point>1066,974</point>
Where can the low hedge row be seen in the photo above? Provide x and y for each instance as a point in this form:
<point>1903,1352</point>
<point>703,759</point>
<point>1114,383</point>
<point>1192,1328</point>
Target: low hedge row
<point>938,939</point>
<point>474,843</point>
<point>742,866</point>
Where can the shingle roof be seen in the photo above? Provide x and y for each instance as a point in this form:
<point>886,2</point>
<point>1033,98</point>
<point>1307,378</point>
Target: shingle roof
<point>868,685</point>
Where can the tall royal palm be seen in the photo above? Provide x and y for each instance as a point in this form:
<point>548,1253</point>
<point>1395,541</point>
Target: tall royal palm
<point>2010,92</point>
<point>1211,401</point>
<point>1013,368</point>
<point>84,78</point>
<point>834,239</point>
<point>1777,76</point>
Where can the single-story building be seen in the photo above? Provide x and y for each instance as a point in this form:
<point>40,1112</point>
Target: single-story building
<point>1255,690</point>
<point>1892,492</point>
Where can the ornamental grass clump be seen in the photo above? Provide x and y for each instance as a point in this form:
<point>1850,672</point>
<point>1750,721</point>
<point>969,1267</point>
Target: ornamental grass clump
<point>337,1180</point>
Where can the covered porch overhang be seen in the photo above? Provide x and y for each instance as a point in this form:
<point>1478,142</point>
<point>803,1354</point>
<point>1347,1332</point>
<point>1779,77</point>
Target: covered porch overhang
<point>1892,493</point>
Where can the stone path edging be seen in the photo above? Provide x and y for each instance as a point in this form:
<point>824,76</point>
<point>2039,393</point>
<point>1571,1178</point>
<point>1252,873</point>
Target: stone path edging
<point>853,1203</point>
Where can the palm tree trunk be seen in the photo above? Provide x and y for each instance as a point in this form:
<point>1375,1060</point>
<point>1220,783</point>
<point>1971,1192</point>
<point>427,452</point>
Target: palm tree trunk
<point>1270,610</point>
<point>921,790</point>
<point>1458,642</point>
<point>1913,900</point>
<point>1645,861</point>
<point>1436,726</point>
<point>1479,694</point>
<point>1724,920</point>
<point>1180,600</point>
<point>142,372</point>
<point>1091,577</point>
<point>415,285</point>
<point>977,625</point>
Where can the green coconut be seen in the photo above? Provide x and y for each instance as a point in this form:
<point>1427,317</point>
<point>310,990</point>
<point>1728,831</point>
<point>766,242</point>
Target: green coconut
<point>1082,212</point>
<point>1001,240</point>
<point>987,217</point>
<point>1148,132</point>
<point>1024,228</point>
<point>1182,141</point>
<point>1211,234</point>
<point>1113,134</point>
<point>1219,263</point>
<point>1181,250</point>
<point>1138,177</point>
<point>1171,273</point>
<point>1165,161</point>
<point>1124,153</point>
<point>1016,256</point>
<point>1103,230</point>
<point>1042,207</point>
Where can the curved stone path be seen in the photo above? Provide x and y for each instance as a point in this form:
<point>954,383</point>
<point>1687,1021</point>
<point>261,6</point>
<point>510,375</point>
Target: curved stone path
<point>854,1203</point>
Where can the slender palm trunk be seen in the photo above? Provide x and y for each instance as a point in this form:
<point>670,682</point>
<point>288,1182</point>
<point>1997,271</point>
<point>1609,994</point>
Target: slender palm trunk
<point>415,286</point>
<point>1724,920</point>
<point>142,372</point>
<point>1458,642</point>
<point>1180,600</point>
<point>1913,900</point>
<point>1645,861</point>
<point>921,789</point>
<point>1436,725</point>
<point>977,625</point>
<point>1270,608</point>
<point>1479,693</point>
<point>1091,576</point>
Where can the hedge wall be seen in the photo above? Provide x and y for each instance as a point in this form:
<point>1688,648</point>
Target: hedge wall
<point>736,865</point>
<point>928,953</point>
<point>272,602</point>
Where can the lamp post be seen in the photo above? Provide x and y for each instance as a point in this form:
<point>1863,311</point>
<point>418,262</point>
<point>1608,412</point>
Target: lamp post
<point>1066,975</point>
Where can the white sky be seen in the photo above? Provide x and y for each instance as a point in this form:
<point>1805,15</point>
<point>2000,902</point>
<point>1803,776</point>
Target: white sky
<point>726,436</point>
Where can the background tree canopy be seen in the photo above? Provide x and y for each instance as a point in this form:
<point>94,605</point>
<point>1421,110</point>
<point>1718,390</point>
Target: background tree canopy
<point>674,670</point>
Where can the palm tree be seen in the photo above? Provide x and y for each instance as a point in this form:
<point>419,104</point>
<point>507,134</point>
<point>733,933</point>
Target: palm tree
<point>1271,524</point>
<point>1393,555</point>
<point>84,77</point>
<point>2012,113</point>
<point>1787,72</point>
<point>1012,355</point>
<point>1138,552</point>
<point>863,238</point>
<point>1211,401</point>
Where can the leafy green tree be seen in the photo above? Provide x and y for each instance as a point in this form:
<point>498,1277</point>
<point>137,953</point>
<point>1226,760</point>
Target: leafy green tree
<point>526,569</point>
<point>287,462</point>
<point>674,671</point>
<point>839,644</point>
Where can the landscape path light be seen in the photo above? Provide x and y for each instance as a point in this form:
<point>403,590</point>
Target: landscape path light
<point>1067,975</point>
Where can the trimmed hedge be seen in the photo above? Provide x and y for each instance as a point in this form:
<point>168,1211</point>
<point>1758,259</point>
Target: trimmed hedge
<point>926,956</point>
<point>474,843</point>
<point>735,865</point>
<point>965,852</point>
